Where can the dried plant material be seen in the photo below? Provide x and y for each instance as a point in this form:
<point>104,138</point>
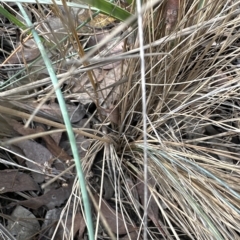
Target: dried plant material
<point>82,142</point>
<point>194,129</point>
<point>108,188</point>
<point>18,153</point>
<point>52,111</point>
<point>172,8</point>
<point>76,222</point>
<point>153,209</point>
<point>53,198</point>
<point>39,155</point>
<point>56,137</point>
<point>53,147</point>
<point>83,87</point>
<point>104,79</point>
<point>25,53</point>
<point>192,82</point>
<point>109,48</point>
<point>223,153</point>
<point>83,145</point>
<point>114,51</point>
<point>50,221</point>
<point>95,39</point>
<point>64,230</point>
<point>6,130</point>
<point>56,29</point>
<point>116,223</point>
<point>82,84</point>
<point>23,224</point>
<point>50,143</point>
<point>112,78</point>
<point>19,128</point>
<point>15,181</point>
<point>100,21</point>
<point>76,113</point>
<point>131,236</point>
<point>28,12</point>
<point>112,114</point>
<point>133,189</point>
<point>220,78</point>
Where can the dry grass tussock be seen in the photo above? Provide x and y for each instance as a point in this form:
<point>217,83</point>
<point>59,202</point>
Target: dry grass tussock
<point>192,114</point>
<point>192,119</point>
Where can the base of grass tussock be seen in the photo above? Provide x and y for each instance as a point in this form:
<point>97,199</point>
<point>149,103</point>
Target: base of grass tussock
<point>192,103</point>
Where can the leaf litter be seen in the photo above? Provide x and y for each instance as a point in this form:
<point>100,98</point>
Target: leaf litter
<point>49,196</point>
<point>23,224</point>
<point>51,199</point>
<point>51,154</point>
<point>64,230</point>
<point>19,182</point>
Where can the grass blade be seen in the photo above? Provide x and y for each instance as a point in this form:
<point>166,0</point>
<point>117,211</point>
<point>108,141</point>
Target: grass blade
<point>12,18</point>
<point>67,122</point>
<point>109,9</point>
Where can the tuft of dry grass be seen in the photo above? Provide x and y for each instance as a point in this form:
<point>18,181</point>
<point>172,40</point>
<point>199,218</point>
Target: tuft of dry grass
<point>192,119</point>
<point>192,113</point>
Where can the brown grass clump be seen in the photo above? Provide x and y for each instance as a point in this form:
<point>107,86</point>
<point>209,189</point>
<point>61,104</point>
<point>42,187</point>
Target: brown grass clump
<point>192,91</point>
<point>191,137</point>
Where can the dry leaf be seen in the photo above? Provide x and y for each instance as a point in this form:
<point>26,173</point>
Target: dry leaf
<point>82,84</point>
<point>53,147</point>
<point>112,113</point>
<point>53,112</point>
<point>23,224</point>
<point>17,152</point>
<point>51,199</point>
<point>37,153</point>
<point>56,137</point>
<point>65,229</point>
<point>56,29</point>
<point>112,220</point>
<point>52,217</point>
<point>26,53</point>
<point>49,225</point>
<point>50,143</point>
<point>95,39</point>
<point>15,181</point>
<point>112,77</point>
<point>6,130</point>
<point>114,51</point>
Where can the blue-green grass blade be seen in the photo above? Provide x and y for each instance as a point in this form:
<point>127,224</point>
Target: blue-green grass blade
<point>67,122</point>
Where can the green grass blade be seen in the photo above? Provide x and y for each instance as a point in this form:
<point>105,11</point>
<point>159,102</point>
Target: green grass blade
<point>12,18</point>
<point>109,9</point>
<point>103,6</point>
<point>67,122</point>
